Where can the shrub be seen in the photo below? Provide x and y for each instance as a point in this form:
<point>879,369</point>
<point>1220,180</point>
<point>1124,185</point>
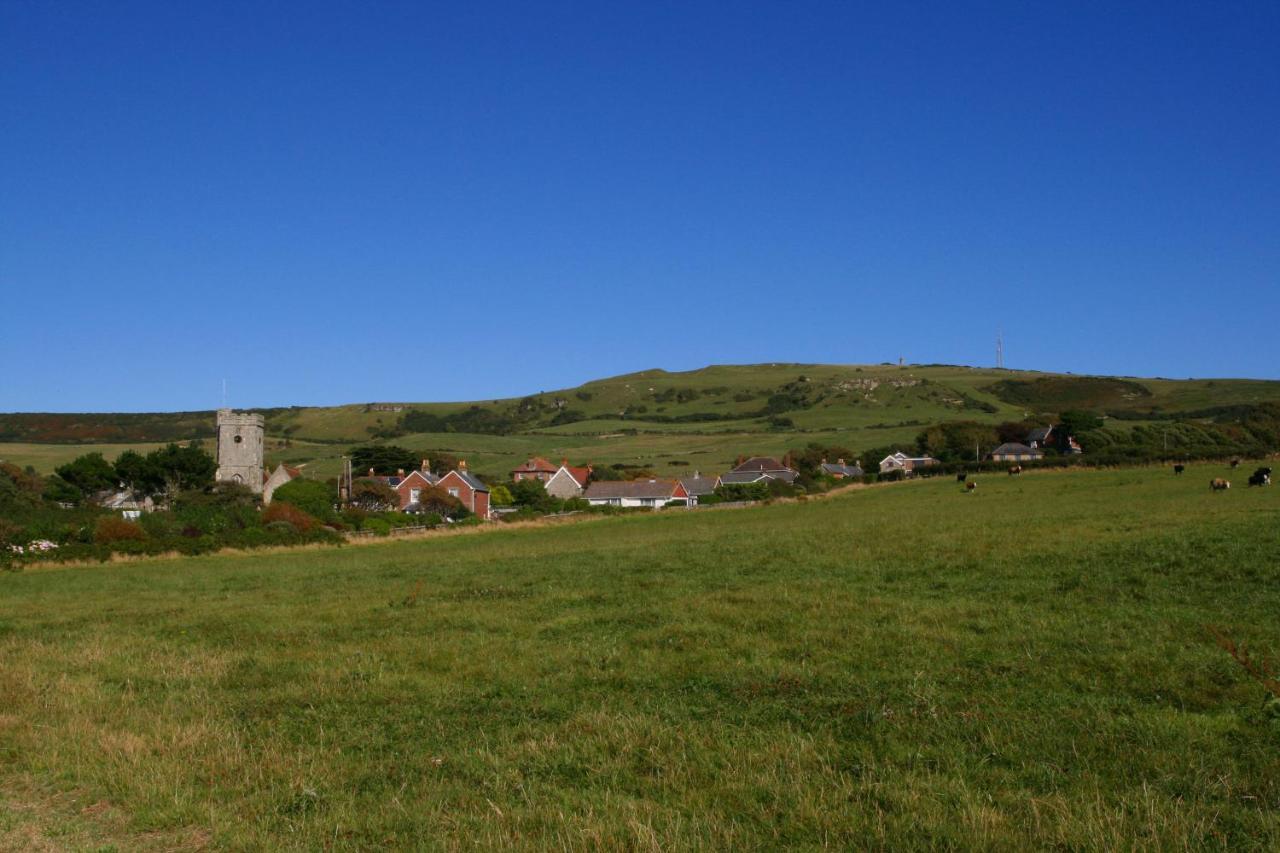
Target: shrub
<point>300,520</point>
<point>111,528</point>
<point>311,496</point>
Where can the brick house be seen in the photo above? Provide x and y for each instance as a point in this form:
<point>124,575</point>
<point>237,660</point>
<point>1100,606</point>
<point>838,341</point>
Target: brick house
<point>467,488</point>
<point>536,468</point>
<point>411,488</point>
<point>906,464</point>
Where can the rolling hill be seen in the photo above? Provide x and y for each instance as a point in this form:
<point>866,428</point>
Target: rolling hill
<point>667,421</point>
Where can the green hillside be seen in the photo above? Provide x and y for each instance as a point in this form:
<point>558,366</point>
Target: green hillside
<point>1031,669</point>
<point>670,421</point>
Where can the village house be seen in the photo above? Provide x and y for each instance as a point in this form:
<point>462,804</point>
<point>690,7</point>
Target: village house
<point>411,486</point>
<point>1046,437</point>
<point>1012,451</point>
<point>651,494</point>
<point>840,471</point>
<point>466,487</point>
<point>906,464</point>
<point>758,469</point>
<point>568,482</point>
<point>698,486</point>
<point>536,468</point>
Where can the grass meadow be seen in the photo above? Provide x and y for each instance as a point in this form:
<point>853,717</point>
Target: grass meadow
<point>903,666</point>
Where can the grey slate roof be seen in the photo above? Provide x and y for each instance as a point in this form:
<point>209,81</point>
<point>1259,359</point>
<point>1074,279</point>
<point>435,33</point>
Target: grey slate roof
<point>844,470</point>
<point>1013,448</point>
<point>472,481</point>
<point>603,490</point>
<point>699,485</point>
<point>760,463</point>
<point>733,478</point>
<point>1039,434</point>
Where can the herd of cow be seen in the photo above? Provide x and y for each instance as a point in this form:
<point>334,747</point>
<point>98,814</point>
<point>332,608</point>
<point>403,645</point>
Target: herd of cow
<point>1260,477</point>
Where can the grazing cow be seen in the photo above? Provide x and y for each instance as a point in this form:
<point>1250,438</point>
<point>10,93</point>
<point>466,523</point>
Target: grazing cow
<point>1219,485</point>
<point>971,487</point>
<point>1266,471</point>
<point>1261,477</point>
<point>1015,469</point>
<point>961,477</point>
<point>1178,469</point>
<point>1235,463</point>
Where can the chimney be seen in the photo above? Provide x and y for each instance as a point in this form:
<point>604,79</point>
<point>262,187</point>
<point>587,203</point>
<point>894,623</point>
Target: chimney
<point>462,464</point>
<point>426,466</point>
<point>564,460</point>
<point>400,473</point>
<point>838,461</point>
<point>370,472</point>
<point>824,461</point>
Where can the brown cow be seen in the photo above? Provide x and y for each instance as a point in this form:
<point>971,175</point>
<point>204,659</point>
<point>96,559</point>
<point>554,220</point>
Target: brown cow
<point>1015,469</point>
<point>971,486</point>
<point>1219,485</point>
<point>1235,463</point>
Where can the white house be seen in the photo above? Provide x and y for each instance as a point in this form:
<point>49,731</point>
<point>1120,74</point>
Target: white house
<point>653,494</point>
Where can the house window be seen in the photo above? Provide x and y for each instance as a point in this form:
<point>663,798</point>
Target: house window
<point>453,491</point>
<point>414,494</point>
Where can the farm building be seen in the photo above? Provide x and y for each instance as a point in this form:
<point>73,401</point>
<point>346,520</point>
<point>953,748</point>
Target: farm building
<point>1012,451</point>
<point>567,481</point>
<point>653,494</point>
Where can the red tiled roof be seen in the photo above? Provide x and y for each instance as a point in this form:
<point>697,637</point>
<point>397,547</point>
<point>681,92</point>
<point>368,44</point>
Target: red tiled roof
<point>534,465</point>
<point>580,475</point>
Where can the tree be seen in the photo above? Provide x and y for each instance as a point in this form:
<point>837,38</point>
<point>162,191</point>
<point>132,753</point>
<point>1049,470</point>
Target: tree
<point>140,473</point>
<point>373,495</point>
<point>383,459</point>
<point>530,493</point>
<point>439,501</point>
<point>501,496</point>
<point>1076,421</point>
<point>18,486</point>
<point>183,468</point>
<point>312,496</point>
<point>88,474</point>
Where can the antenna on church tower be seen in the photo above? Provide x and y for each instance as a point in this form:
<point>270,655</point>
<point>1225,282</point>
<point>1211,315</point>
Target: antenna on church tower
<point>999,349</point>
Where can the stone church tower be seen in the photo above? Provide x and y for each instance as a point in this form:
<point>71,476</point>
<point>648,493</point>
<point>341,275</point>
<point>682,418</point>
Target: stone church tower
<point>240,449</point>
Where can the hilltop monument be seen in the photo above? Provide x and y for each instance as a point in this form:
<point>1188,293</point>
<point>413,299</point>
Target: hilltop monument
<point>240,449</point>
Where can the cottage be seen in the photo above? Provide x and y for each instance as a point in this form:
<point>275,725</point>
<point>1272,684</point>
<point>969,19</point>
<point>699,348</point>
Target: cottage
<point>906,464</point>
<point>758,469</point>
<point>568,482</point>
<point>464,486</point>
<point>1012,451</point>
<point>128,503</point>
<point>536,468</point>
<point>840,471</point>
<point>1046,437</point>
<point>653,494</point>
<point>698,486</point>
<point>411,487</point>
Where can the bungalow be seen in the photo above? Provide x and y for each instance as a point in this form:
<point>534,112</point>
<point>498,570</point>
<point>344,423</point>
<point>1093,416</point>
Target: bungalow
<point>536,468</point>
<point>839,470</point>
<point>698,486</point>
<point>568,482</point>
<point>467,488</point>
<point>906,464</point>
<point>1012,451</point>
<point>758,469</point>
<point>653,494</point>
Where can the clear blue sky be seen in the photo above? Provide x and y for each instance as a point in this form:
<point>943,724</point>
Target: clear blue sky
<point>329,203</point>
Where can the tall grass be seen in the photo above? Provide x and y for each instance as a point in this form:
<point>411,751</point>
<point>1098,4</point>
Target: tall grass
<point>905,667</point>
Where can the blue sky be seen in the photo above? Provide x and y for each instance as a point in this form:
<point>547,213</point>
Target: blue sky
<point>327,203</point>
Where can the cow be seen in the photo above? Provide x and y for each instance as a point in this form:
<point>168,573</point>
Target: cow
<point>971,486</point>
<point>1015,469</point>
<point>1178,469</point>
<point>1266,471</point>
<point>1235,463</point>
<point>1261,477</point>
<point>961,477</point>
<point>1219,485</point>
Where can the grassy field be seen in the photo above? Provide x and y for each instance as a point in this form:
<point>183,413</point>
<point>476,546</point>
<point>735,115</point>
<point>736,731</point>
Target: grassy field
<point>902,666</point>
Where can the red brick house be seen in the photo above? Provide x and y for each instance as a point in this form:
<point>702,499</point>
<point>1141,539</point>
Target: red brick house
<point>467,488</point>
<point>536,468</point>
<point>411,488</point>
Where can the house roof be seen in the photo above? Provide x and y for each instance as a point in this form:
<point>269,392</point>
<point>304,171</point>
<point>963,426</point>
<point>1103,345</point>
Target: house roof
<point>467,477</point>
<point>1039,434</point>
<point>732,478</point>
<point>427,477</point>
<point>291,472</point>
<point>1013,448</point>
<point>536,465</point>
<point>845,470</point>
<point>579,475</point>
<point>760,463</point>
<point>699,485</point>
<point>634,489</point>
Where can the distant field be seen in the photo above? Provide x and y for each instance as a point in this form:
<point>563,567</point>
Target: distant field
<point>904,666</point>
<point>45,457</point>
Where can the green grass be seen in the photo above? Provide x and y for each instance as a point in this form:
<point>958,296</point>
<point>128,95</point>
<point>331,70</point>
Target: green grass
<point>900,667</point>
